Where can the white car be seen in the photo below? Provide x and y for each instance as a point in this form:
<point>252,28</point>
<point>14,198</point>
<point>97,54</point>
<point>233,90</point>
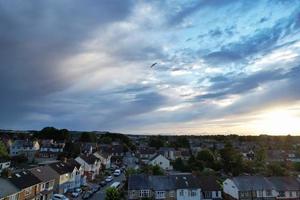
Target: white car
<point>117,172</point>
<point>59,197</point>
<point>76,192</point>
<point>109,179</point>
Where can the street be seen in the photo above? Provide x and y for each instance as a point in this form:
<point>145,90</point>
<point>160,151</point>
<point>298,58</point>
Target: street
<point>100,195</point>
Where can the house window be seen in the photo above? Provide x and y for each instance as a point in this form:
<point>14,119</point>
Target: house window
<point>144,193</point>
<point>269,193</point>
<point>291,193</point>
<point>194,193</point>
<point>28,191</point>
<point>260,193</point>
<point>14,197</point>
<point>207,195</point>
<point>160,194</point>
<point>217,194</point>
<point>281,194</point>
<point>181,193</point>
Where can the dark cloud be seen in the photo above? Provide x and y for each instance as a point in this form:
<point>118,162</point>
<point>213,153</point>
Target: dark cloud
<point>35,36</point>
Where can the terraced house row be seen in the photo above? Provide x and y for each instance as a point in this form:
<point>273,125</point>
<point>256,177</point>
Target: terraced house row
<point>41,182</point>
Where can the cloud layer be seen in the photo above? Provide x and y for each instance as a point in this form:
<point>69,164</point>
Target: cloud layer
<point>86,65</point>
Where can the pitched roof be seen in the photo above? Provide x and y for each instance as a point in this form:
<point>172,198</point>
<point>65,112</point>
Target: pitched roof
<point>166,149</point>
<point>257,183</point>
<point>156,156</point>
<point>7,188</point>
<point>24,179</point>
<point>162,183</point>
<point>44,173</point>
<point>138,182</point>
<point>209,183</point>
<point>285,183</point>
<point>170,182</point>
<point>186,181</point>
<point>90,159</point>
<point>61,167</point>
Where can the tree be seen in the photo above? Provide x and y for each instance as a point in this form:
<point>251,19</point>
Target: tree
<point>260,159</point>
<point>52,133</point>
<point>3,150</point>
<point>207,157</point>
<point>275,169</point>
<point>88,137</point>
<point>156,170</point>
<point>232,160</point>
<point>112,194</point>
<point>179,165</point>
<point>156,141</point>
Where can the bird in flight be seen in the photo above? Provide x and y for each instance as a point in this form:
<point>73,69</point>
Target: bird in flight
<point>153,65</point>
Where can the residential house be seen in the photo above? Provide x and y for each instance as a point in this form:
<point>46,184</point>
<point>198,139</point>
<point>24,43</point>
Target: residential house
<point>89,147</point>
<point>171,187</point>
<point>51,148</point>
<point>117,150</point>
<point>183,153</point>
<point>47,176</point>
<point>8,191</point>
<point>78,173</point>
<point>28,184</point>
<point>105,159</point>
<point>161,161</point>
<point>167,152</point>
<point>4,164</point>
<point>24,147</point>
<point>67,176</point>
<point>258,187</point>
<point>139,186</point>
<point>286,187</point>
<point>187,187</point>
<point>146,153</point>
<point>91,165</point>
<point>210,188</point>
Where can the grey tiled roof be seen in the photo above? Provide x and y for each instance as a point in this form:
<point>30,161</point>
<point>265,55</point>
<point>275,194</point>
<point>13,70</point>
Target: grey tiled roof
<point>44,173</point>
<point>248,183</point>
<point>285,183</point>
<point>7,188</point>
<point>162,183</point>
<point>171,182</point>
<point>138,182</point>
<point>24,179</point>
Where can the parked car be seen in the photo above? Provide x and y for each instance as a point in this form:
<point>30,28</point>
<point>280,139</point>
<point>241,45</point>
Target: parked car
<point>87,195</point>
<point>102,183</point>
<point>76,192</point>
<point>59,197</point>
<point>95,188</point>
<point>117,172</point>
<point>109,179</point>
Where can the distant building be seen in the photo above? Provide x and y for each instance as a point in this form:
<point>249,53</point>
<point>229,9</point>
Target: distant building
<point>4,164</point>
<point>91,165</point>
<point>51,148</point>
<point>167,152</point>
<point>105,159</point>
<point>24,147</point>
<point>161,161</point>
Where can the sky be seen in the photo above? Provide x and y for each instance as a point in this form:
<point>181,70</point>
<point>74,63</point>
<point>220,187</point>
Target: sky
<point>223,66</point>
